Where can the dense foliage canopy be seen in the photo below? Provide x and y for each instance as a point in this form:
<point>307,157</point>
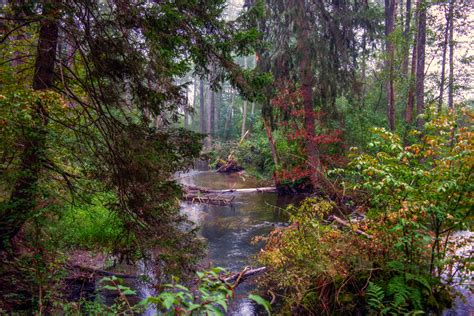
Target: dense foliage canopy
<point>364,106</point>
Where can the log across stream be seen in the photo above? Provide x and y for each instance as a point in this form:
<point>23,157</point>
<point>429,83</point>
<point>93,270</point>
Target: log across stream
<point>230,228</point>
<point>219,197</point>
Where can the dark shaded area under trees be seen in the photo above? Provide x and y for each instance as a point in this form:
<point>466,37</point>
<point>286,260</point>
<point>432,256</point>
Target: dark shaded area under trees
<point>364,106</point>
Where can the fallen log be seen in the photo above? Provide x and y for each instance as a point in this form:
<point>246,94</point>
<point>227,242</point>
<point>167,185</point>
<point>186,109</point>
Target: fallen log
<point>347,224</point>
<point>246,190</point>
<point>237,278</point>
<point>209,199</point>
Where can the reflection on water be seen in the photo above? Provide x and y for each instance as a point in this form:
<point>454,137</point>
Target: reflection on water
<point>229,229</point>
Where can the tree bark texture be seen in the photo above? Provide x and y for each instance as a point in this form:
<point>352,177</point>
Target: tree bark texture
<point>22,202</point>
<point>244,108</point>
<point>307,82</point>
<point>420,62</point>
<point>406,34</point>
<point>443,64</point>
<point>202,113</point>
<point>451,56</point>
<point>411,89</point>
<point>390,10</point>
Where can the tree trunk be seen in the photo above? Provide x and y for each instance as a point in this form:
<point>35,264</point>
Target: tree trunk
<point>420,62</point>
<point>195,88</point>
<point>208,117</point>
<point>244,109</point>
<point>451,56</point>
<point>273,148</point>
<point>228,121</point>
<point>22,201</point>
<point>186,114</point>
<point>390,10</point>
<point>443,63</point>
<point>406,34</point>
<point>411,88</point>
<point>252,117</point>
<point>363,66</point>
<point>307,81</point>
<point>202,117</point>
<point>217,113</point>
<point>212,112</point>
<point>252,110</point>
<point>20,34</point>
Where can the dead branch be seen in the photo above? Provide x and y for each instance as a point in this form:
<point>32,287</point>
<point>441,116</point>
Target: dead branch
<point>247,272</point>
<point>345,223</point>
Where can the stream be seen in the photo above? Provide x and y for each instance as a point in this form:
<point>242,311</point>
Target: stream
<point>229,231</point>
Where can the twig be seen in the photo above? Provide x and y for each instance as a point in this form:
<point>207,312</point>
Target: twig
<point>346,224</point>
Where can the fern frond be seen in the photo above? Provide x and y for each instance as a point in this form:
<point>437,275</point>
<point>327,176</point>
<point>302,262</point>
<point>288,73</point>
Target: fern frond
<point>400,291</point>
<point>375,296</point>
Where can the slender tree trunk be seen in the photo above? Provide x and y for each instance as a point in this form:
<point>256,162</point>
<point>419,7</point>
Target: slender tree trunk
<point>23,200</point>
<point>20,34</point>
<point>420,64</point>
<point>443,63</point>
<point>451,55</point>
<point>252,116</point>
<point>307,81</point>
<point>195,88</point>
<point>390,10</point>
<point>212,112</point>
<point>411,88</point>
<point>202,113</point>
<point>208,117</point>
<point>228,121</point>
<point>273,148</point>
<point>252,110</point>
<point>186,114</point>
<point>244,108</point>
<point>363,70</point>
<point>406,34</point>
<point>217,113</point>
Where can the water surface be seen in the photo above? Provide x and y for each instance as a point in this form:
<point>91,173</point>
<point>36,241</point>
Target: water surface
<point>229,230</point>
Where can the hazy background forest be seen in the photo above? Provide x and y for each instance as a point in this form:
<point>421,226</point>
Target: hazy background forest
<point>238,157</point>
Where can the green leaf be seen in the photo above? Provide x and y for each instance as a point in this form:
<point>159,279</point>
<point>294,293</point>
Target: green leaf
<point>129,292</point>
<point>181,287</point>
<point>223,303</point>
<point>261,301</point>
<point>214,310</point>
<point>167,299</point>
<point>109,287</point>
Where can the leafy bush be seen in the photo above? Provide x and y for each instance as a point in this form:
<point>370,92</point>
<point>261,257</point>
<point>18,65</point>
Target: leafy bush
<point>255,155</point>
<point>416,196</point>
<point>211,297</point>
<point>312,263</point>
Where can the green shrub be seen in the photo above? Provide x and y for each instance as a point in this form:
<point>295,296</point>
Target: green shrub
<point>416,196</point>
<point>91,225</point>
<point>210,297</point>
